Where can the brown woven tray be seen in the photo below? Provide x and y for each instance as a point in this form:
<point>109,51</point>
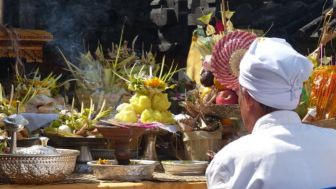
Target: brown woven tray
<point>222,111</point>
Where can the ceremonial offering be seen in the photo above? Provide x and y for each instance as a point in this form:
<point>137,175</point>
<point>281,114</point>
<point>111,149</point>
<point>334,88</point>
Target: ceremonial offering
<point>149,102</point>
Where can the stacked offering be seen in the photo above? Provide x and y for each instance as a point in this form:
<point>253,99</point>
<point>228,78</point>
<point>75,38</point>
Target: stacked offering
<point>149,103</point>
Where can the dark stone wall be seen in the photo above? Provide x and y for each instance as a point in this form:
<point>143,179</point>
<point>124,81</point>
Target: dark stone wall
<point>78,25</point>
<point>280,18</point>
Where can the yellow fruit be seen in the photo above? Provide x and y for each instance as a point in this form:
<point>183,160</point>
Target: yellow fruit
<point>160,102</point>
<point>126,116</point>
<point>167,117</point>
<point>140,102</point>
<point>147,116</point>
<point>125,106</point>
<point>157,116</point>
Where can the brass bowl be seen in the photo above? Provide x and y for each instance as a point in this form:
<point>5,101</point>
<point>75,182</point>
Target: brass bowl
<point>37,169</point>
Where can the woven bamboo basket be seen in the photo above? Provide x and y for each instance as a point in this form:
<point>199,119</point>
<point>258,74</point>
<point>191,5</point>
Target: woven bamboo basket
<point>198,143</point>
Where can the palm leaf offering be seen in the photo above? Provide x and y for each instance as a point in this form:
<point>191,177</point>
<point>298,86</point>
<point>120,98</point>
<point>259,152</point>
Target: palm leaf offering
<point>9,105</point>
<point>48,86</point>
<point>150,80</point>
<point>73,123</point>
<point>99,74</point>
<point>12,104</point>
<point>97,71</point>
<point>45,90</point>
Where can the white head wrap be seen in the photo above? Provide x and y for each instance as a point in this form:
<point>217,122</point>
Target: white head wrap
<point>273,73</point>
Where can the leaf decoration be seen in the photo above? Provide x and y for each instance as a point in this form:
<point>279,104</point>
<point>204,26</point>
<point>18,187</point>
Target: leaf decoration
<point>229,14</point>
<point>210,30</point>
<point>205,19</point>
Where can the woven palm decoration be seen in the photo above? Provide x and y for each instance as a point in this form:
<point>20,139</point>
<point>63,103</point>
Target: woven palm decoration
<point>226,57</point>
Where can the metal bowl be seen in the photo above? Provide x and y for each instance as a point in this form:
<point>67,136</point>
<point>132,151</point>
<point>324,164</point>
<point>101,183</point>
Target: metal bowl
<point>137,170</point>
<point>37,169</point>
<point>185,167</point>
<point>109,154</point>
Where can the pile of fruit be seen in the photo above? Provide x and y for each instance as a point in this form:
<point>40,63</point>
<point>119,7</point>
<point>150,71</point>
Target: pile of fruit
<point>150,108</point>
<point>149,103</point>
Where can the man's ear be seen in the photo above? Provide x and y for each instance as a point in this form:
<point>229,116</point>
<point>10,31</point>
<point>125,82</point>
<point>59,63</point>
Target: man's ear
<point>249,101</point>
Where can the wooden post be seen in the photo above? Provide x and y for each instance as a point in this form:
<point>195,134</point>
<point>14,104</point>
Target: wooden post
<point>1,11</point>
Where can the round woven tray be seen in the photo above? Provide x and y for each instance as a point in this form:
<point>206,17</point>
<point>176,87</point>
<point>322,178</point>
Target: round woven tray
<point>222,111</point>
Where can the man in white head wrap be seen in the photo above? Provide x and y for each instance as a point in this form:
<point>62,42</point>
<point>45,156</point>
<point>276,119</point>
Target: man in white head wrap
<point>281,151</point>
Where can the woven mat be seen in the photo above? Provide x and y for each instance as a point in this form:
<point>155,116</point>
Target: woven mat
<point>168,177</point>
<point>158,177</point>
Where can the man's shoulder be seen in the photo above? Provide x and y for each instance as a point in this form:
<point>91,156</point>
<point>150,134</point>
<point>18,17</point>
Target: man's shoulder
<point>266,142</point>
<point>243,144</point>
<point>247,141</point>
<point>259,144</point>
<point>315,128</point>
<point>320,133</point>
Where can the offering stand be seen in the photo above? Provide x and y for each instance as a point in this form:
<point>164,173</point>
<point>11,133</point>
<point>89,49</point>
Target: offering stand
<point>121,135</point>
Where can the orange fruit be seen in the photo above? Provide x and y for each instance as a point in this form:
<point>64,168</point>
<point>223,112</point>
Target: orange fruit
<point>218,85</point>
<point>226,122</point>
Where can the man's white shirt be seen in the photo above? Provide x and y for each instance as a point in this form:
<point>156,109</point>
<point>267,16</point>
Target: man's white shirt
<point>281,152</point>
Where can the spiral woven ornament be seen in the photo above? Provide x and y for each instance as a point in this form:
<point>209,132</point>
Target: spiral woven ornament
<point>227,55</point>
